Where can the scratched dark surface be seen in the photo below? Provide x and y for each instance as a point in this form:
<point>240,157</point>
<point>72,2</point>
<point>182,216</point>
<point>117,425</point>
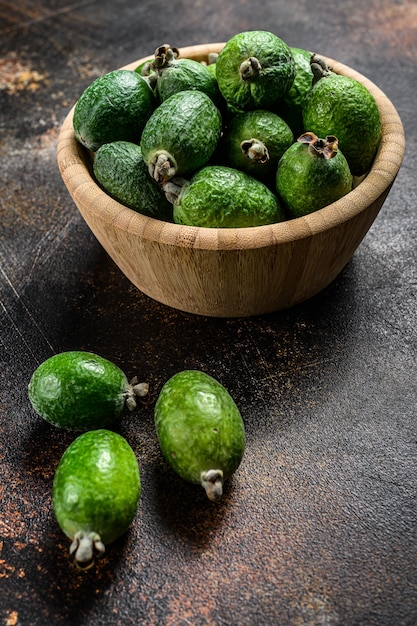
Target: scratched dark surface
<point>318,526</point>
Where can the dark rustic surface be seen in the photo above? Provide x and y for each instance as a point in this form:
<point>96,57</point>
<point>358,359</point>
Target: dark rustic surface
<point>318,526</point>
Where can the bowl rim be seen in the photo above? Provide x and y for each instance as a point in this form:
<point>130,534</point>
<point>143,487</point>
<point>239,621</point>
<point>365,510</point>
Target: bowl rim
<point>72,159</point>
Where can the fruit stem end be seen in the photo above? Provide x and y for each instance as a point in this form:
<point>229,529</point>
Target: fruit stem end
<point>250,69</point>
<point>324,148</point>
<point>255,150</point>
<point>319,67</point>
<point>212,481</point>
<point>135,390</point>
<point>86,547</point>
<point>162,167</point>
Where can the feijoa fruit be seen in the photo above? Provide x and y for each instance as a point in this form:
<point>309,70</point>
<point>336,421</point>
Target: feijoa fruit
<point>311,174</point>
<point>181,135</point>
<point>200,430</point>
<point>96,491</point>
<point>80,390</point>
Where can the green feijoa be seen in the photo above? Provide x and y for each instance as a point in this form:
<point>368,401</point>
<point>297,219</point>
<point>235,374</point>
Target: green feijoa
<point>255,70</point>
<point>175,74</point>
<point>291,107</point>
<point>254,141</point>
<point>200,430</point>
<point>341,106</point>
<point>96,491</point>
<point>181,135</point>
<point>218,196</point>
<point>121,171</point>
<point>80,390</point>
<point>311,174</point>
<point>114,107</point>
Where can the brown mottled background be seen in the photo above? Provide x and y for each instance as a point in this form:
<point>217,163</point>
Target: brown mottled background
<point>318,526</point>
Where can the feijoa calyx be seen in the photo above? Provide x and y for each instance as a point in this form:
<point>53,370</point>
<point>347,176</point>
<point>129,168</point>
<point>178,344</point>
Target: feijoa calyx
<point>200,430</point>
<point>80,390</point>
<point>96,491</point>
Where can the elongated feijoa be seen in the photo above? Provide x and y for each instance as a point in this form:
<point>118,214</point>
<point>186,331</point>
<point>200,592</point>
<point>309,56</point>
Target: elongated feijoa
<point>181,135</point>
<point>223,197</point>
<point>341,106</point>
<point>80,390</point>
<point>95,492</point>
<point>200,430</point>
<point>121,171</point>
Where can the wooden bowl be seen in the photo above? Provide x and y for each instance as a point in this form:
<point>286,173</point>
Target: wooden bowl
<point>235,272</point>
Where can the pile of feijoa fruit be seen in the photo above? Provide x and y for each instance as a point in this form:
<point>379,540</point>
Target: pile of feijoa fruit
<point>258,134</point>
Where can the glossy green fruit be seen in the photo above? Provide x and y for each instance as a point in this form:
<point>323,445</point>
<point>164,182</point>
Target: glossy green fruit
<point>312,174</point>
<point>223,197</point>
<point>114,107</point>
<point>96,492</point>
<point>181,135</point>
<point>291,107</point>
<point>341,106</point>
<point>175,74</point>
<point>79,390</point>
<point>255,70</point>
<point>121,171</point>
<point>200,430</point>
<point>254,141</point>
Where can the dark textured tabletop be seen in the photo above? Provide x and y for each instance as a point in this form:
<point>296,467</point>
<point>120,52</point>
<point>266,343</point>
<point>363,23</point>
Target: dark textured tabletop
<point>318,525</point>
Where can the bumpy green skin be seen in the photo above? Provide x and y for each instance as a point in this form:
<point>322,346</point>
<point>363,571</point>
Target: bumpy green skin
<point>96,486</point>
<point>185,74</point>
<point>223,197</point>
<point>114,107</point>
<point>291,107</point>
<point>274,80</point>
<point>307,183</point>
<point>78,391</point>
<point>187,126</point>
<point>199,426</point>
<point>341,106</point>
<point>121,171</point>
<point>263,126</point>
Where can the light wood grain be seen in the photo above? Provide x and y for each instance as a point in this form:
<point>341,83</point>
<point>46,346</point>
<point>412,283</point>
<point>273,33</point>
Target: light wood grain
<point>235,272</point>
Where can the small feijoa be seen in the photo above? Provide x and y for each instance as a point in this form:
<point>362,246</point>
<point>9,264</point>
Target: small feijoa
<point>96,491</point>
<point>311,174</point>
<point>114,107</point>
<point>200,430</point>
<point>80,390</point>
<point>174,73</point>
<point>254,141</point>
